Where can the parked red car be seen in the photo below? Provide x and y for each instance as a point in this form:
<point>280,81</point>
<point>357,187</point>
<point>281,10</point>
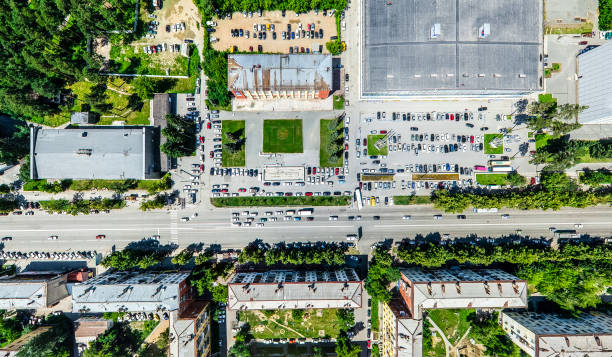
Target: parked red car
<point>308,194</point>
<point>533,181</point>
<point>212,154</point>
<point>337,171</point>
<point>452,116</point>
<point>100,236</point>
<point>472,139</point>
<point>242,190</point>
<point>383,131</point>
<point>208,125</point>
<point>201,140</point>
<point>314,170</point>
<point>345,146</point>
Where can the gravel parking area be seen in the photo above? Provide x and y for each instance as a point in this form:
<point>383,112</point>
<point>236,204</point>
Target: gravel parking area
<point>249,41</point>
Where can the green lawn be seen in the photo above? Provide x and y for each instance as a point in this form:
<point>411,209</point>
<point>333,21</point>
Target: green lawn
<point>546,98</point>
<point>490,150</point>
<point>542,140</point>
<point>338,102</point>
<point>411,200</point>
<point>492,179</point>
<point>324,142</point>
<point>452,322</point>
<point>125,59</point>
<point>268,324</point>
<point>372,150</point>
<point>237,159</point>
<point>282,136</point>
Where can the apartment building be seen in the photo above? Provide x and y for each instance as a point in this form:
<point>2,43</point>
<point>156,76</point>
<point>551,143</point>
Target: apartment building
<point>552,335</point>
<point>190,331</point>
<point>401,335</point>
<point>32,290</point>
<point>292,289</point>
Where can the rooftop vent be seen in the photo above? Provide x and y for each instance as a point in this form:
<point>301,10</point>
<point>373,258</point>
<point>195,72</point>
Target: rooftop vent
<point>436,31</point>
<point>484,31</point>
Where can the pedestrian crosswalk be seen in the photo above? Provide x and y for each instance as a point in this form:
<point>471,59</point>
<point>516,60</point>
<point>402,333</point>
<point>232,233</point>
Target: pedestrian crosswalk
<point>174,226</point>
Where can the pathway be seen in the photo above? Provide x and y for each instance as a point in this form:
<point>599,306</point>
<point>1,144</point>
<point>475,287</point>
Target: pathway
<point>154,335</point>
<point>447,344</point>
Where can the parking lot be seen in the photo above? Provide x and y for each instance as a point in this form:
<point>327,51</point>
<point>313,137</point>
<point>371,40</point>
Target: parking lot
<point>274,32</point>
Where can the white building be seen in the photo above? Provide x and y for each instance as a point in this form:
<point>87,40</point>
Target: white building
<point>595,85</point>
<point>550,335</point>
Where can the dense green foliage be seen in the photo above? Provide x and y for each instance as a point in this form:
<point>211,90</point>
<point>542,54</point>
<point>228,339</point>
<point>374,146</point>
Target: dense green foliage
<point>600,149</point>
<point>332,142</point>
<point>183,257</point>
<point>205,275</point>
<point>215,68</point>
<point>573,276</point>
<point>555,191</point>
<point>158,202</point>
<point>257,252</point>
<point>605,15</point>
<point>569,284</point>
<point>119,186</point>
<point>596,177</point>
<point>334,47</point>
<point>4,189</point>
<point>272,201</point>
<point>81,206</point>
<point>380,274</point>
<point>344,347</point>
<point>118,341</point>
<point>8,204</point>
<point>346,319</point>
<point>44,48</point>
<point>488,332</point>
<point>15,146</point>
<point>234,142</point>
<point>241,343</point>
<point>208,7</point>
<point>57,342</point>
<point>129,258</point>
<point>411,200</point>
<point>180,134</point>
<point>11,328</point>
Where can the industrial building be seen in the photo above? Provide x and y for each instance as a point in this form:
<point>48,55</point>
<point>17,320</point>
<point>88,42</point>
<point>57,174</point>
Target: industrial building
<point>32,290</point>
<point>548,335</point>
<point>270,77</point>
<point>284,289</point>
<point>126,291</point>
<point>594,85</point>
<point>111,153</point>
<point>421,48</point>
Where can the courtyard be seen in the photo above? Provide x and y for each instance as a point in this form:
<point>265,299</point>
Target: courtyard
<point>271,324</point>
<point>489,144</point>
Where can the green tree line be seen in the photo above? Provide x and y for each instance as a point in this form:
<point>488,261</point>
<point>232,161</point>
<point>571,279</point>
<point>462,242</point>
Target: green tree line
<point>180,134</point>
<point>257,252</point>
<point>81,206</point>
<point>596,177</point>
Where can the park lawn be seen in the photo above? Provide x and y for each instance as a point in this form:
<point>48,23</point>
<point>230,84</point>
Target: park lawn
<point>324,141</point>
<point>282,136</point>
<point>586,27</point>
<point>546,98</point>
<point>492,179</point>
<point>411,200</point>
<point>491,150</point>
<point>338,102</point>
<point>372,150</point>
<point>237,159</point>
<point>453,323</point>
<point>313,321</point>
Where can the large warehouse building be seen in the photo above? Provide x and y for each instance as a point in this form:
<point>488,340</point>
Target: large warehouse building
<point>263,77</point>
<point>451,48</point>
<point>594,85</point>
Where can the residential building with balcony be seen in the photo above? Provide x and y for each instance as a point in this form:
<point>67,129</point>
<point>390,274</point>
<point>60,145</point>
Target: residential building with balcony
<point>190,331</point>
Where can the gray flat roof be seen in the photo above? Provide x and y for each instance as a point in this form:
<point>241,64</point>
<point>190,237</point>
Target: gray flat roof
<point>279,72</point>
<point>595,84</point>
<point>401,59</point>
<point>92,153</point>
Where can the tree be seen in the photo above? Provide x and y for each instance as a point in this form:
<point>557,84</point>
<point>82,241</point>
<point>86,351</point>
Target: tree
<point>487,331</point>
<point>515,179</point>
<point>344,347</point>
<point>346,319</point>
<point>16,146</point>
<point>183,257</point>
<point>145,87</point>
<point>118,341</point>
<point>56,342</point>
<point>317,352</point>
<point>334,47</point>
<point>297,315</point>
<point>380,274</point>
<point>605,15</point>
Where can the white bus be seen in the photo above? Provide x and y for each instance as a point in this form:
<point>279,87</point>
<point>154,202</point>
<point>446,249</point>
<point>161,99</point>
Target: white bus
<point>358,199</point>
<point>305,212</point>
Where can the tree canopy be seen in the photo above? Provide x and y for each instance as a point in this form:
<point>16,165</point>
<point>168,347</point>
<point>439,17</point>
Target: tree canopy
<point>380,274</point>
<point>118,341</point>
<point>57,342</point>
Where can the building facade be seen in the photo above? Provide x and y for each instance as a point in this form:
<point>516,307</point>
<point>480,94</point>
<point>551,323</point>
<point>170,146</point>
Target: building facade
<point>126,291</point>
<point>190,331</point>
<point>551,335</point>
<point>292,289</point>
<point>270,77</point>
<point>401,335</point>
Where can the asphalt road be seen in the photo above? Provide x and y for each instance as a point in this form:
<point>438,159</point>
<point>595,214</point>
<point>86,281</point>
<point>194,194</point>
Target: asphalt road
<point>30,233</point>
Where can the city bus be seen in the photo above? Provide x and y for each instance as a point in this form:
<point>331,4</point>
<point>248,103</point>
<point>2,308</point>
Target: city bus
<point>358,199</point>
<point>499,162</point>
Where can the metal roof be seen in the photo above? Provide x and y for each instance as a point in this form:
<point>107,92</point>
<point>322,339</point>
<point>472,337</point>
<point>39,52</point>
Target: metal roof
<point>595,84</point>
<point>92,153</point>
<point>129,291</point>
<point>31,290</point>
<point>279,72</point>
<point>466,288</point>
<point>280,289</point>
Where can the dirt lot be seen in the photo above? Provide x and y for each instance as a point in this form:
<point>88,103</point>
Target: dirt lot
<point>238,21</point>
<point>173,12</point>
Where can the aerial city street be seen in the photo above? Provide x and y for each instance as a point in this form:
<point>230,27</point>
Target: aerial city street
<point>191,178</point>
